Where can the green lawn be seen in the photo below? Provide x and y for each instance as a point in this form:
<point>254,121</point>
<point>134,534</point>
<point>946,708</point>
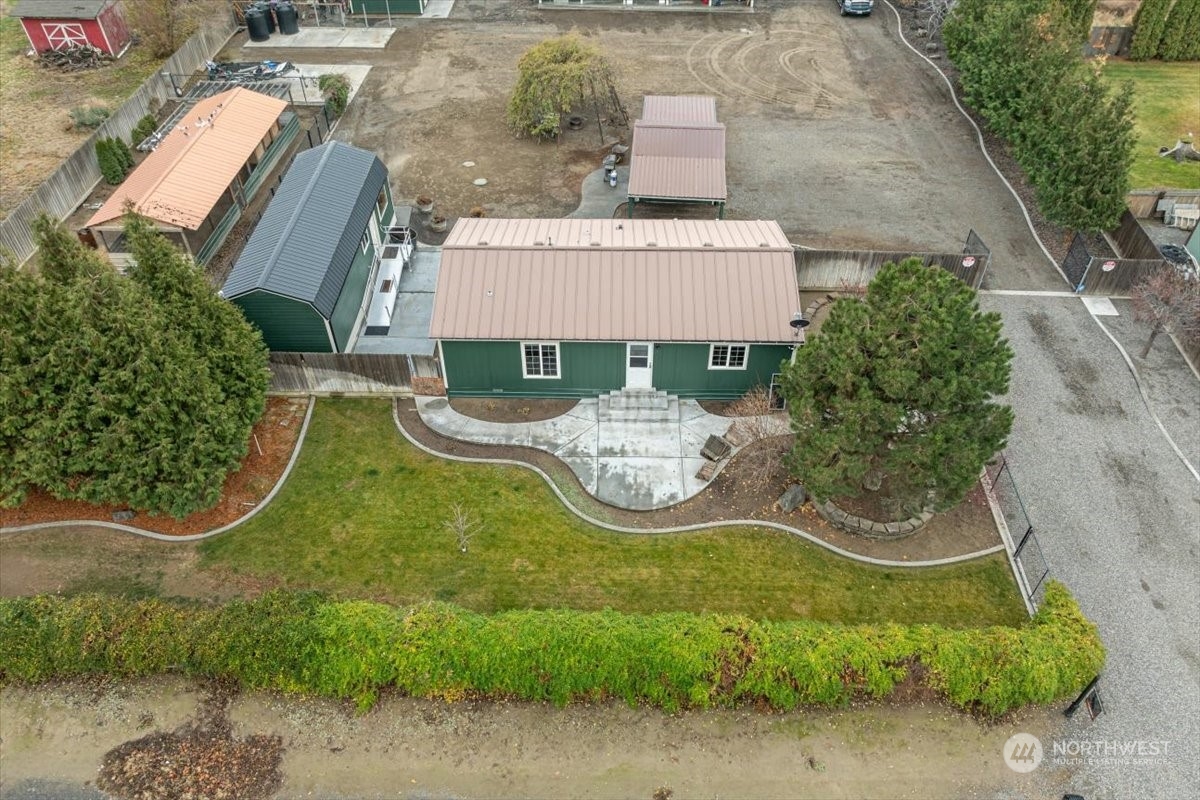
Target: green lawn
<point>1168,107</point>
<point>362,515</point>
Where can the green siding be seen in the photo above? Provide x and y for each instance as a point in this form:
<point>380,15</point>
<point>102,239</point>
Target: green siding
<point>494,368</point>
<point>592,368</point>
<point>682,369</point>
<point>288,326</point>
<point>350,299</point>
<point>383,6</point>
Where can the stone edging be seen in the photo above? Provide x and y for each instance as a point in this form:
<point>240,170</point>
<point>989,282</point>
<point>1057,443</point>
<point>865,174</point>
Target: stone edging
<point>753,523</point>
<point>193,537</point>
<point>861,526</point>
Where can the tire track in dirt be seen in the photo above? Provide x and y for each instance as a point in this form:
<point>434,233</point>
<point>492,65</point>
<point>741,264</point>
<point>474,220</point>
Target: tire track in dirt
<point>763,67</point>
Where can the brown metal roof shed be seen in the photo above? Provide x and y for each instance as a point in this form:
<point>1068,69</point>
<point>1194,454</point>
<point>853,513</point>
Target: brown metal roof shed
<point>678,152</point>
<point>615,280</point>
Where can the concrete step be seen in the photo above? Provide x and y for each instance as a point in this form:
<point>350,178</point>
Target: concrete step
<point>638,406</point>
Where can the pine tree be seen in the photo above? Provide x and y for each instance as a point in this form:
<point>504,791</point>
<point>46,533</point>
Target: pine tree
<point>1181,37</point>
<point>1149,26</point>
<point>900,384</point>
<point>112,393</point>
<point>124,154</point>
<point>1076,18</point>
<point>110,162</point>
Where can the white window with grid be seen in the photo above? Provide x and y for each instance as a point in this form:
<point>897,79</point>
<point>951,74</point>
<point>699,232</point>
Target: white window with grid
<point>727,356</point>
<point>539,359</point>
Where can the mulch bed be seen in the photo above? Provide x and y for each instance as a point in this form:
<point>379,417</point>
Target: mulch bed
<point>733,495</point>
<point>275,434</point>
<point>201,759</point>
<point>507,410</point>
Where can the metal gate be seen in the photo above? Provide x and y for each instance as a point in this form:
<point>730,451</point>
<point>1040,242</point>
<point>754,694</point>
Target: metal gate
<point>1031,565</point>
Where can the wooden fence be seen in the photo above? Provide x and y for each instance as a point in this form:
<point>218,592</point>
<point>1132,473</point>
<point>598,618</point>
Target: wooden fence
<point>338,374</point>
<point>825,270</point>
<point>70,184</point>
<point>1132,240</point>
<point>1104,275</point>
<point>1144,202</point>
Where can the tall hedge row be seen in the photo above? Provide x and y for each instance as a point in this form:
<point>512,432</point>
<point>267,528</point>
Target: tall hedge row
<point>1019,66</point>
<point>305,643</point>
<point>1149,26</point>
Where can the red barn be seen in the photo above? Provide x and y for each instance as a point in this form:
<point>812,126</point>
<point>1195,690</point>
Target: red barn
<point>59,24</point>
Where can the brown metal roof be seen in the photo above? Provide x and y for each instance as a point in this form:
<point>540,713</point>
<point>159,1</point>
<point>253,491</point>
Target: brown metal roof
<point>709,281</point>
<point>677,163</point>
<point>680,109</point>
<point>181,181</point>
<point>617,233</point>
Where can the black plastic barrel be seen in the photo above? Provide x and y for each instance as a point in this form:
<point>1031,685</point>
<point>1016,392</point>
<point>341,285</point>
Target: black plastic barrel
<point>289,20</point>
<point>268,13</point>
<point>256,24</point>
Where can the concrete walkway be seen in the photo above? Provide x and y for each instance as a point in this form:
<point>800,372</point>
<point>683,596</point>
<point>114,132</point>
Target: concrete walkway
<point>597,199</point>
<point>330,36</point>
<point>639,465</point>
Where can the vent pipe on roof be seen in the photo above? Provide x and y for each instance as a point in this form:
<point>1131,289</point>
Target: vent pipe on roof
<point>595,244</point>
<point>651,244</point>
<point>708,244</point>
<point>539,243</point>
<point>483,242</point>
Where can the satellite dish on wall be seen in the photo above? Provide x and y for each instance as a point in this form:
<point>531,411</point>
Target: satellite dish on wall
<point>799,321</point>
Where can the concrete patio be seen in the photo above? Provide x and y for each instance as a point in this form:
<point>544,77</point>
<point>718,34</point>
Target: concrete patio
<point>633,464</point>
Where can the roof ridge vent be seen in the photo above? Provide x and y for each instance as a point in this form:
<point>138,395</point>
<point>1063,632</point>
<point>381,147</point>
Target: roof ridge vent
<point>763,244</point>
<point>594,244</point>
<point>483,242</point>
<point>651,244</point>
<point>708,244</point>
<point>539,243</point>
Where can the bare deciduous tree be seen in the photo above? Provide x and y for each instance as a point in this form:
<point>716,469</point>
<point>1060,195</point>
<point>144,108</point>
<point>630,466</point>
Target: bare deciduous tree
<point>1170,300</point>
<point>463,526</point>
<point>765,430</point>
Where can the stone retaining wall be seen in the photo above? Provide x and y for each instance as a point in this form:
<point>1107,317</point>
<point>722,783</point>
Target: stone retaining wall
<point>869,528</point>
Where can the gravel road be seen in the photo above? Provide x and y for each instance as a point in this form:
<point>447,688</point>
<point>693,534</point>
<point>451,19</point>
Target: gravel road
<point>1118,515</point>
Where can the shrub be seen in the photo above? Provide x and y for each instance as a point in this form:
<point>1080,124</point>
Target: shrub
<point>145,127</point>
<point>303,642</point>
<point>123,153</point>
<point>336,88</point>
<point>89,117</point>
<point>111,166</point>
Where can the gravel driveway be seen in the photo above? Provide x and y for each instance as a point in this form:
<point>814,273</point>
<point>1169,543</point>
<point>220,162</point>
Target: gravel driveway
<point>1118,516</point>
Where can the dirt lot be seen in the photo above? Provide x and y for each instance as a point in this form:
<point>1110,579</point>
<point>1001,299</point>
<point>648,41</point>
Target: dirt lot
<point>52,741</point>
<point>834,127</point>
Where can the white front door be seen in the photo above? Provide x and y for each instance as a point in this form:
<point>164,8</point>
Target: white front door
<point>639,365</point>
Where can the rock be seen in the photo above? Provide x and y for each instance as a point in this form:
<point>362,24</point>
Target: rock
<point>737,435</point>
<point>872,480</point>
<point>931,47</point>
<point>793,498</point>
<point>123,515</point>
<point>481,181</point>
<point>706,471</point>
<point>468,163</point>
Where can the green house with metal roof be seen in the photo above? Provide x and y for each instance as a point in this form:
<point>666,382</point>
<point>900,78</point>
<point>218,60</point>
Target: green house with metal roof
<point>302,277</point>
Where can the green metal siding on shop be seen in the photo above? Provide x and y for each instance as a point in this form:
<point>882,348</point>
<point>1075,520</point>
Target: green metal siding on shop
<point>350,300</point>
<point>682,369</point>
<point>589,369</point>
<point>287,325</point>
<point>477,369</point>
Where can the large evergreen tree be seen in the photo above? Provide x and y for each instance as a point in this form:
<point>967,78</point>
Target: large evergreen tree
<point>1181,35</point>
<point>113,392</point>
<point>1149,25</point>
<point>900,383</point>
